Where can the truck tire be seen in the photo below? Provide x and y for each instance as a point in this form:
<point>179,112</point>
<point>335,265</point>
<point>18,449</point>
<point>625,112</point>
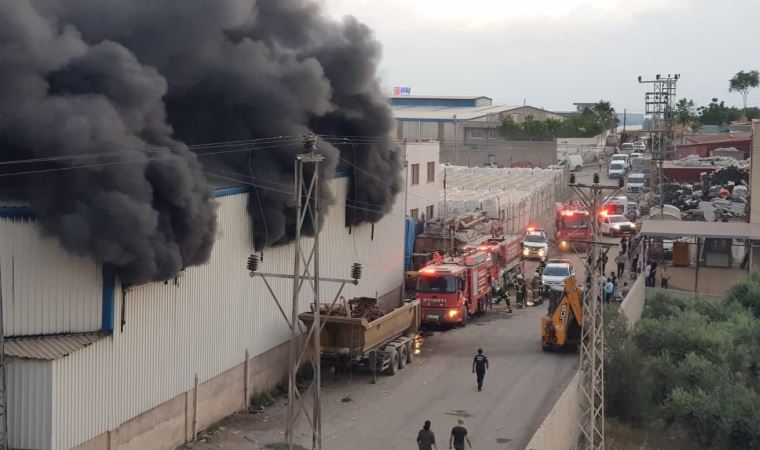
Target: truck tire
<point>401,350</point>
<point>409,352</point>
<point>578,168</point>
<point>393,363</point>
<point>546,348</point>
<point>465,313</point>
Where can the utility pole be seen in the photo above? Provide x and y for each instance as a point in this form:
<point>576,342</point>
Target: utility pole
<point>592,338</point>
<point>659,103</point>
<point>306,196</point>
<point>3,390</point>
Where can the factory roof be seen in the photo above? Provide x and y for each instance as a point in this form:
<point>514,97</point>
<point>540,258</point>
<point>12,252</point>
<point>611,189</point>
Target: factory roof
<point>49,348</point>
<point>413,112</point>
<point>443,97</point>
<point>713,230</point>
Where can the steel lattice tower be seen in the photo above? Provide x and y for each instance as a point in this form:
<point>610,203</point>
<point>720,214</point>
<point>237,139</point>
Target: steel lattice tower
<point>305,345</point>
<point>592,338</point>
<point>658,103</point>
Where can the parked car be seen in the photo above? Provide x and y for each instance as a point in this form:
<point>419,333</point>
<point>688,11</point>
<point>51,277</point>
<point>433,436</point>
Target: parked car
<point>635,182</point>
<point>626,147</point>
<point>535,245</point>
<point>617,225</point>
<point>620,157</point>
<point>555,273</point>
<point>639,146</point>
<point>616,170</point>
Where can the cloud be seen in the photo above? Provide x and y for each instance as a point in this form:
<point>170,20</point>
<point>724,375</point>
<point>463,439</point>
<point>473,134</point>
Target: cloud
<point>552,57</point>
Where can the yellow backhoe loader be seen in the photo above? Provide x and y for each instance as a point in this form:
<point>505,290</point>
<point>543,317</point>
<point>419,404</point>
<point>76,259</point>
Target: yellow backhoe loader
<point>562,326</point>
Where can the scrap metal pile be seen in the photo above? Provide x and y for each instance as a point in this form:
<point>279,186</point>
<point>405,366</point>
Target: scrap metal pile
<point>723,161</point>
<point>357,308</point>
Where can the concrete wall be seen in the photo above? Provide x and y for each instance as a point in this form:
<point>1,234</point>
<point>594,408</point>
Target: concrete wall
<point>502,153</point>
<point>560,430</point>
<point>754,194</point>
<point>588,148</point>
<point>633,303</point>
<point>171,423</point>
<point>425,193</point>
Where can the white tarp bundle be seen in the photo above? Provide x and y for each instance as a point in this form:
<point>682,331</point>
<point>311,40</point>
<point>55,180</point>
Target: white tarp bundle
<point>515,194</point>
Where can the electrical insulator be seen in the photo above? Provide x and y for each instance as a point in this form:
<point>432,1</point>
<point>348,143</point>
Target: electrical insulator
<point>356,271</point>
<point>572,178</point>
<point>253,263</point>
<point>596,178</point>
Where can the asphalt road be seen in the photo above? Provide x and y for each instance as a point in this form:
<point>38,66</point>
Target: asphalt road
<point>520,388</point>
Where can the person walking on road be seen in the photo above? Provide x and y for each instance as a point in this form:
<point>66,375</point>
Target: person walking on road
<point>620,260</point>
<point>623,244</point>
<point>459,436</point>
<point>479,367</point>
<point>426,438</point>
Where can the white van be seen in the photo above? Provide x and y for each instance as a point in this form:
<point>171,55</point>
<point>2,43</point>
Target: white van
<point>626,147</point>
<point>573,162</point>
<point>623,158</point>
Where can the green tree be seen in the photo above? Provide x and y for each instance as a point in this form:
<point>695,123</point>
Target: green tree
<point>605,114</point>
<point>685,112</point>
<point>743,82</point>
<point>717,113</point>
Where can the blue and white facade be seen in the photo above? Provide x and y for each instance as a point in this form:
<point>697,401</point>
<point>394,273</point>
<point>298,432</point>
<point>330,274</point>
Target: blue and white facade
<point>155,337</point>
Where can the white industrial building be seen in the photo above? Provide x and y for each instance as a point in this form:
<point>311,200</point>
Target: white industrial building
<point>93,365</point>
<point>423,182</point>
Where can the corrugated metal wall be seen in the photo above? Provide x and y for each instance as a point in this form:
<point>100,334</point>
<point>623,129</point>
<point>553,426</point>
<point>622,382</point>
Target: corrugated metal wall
<point>46,290</point>
<point>204,323</point>
<point>30,401</point>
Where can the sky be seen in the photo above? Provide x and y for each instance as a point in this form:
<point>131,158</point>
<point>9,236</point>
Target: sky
<point>552,53</point>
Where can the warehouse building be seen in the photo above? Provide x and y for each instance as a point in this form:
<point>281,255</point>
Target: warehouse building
<point>94,364</point>
<point>468,129</point>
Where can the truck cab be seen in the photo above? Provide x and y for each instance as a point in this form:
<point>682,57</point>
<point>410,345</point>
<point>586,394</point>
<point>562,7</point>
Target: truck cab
<point>452,290</point>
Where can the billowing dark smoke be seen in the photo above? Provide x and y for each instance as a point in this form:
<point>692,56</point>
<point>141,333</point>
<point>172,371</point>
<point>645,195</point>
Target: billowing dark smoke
<point>110,79</point>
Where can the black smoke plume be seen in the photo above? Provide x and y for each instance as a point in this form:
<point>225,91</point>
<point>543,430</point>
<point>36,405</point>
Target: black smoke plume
<point>118,96</point>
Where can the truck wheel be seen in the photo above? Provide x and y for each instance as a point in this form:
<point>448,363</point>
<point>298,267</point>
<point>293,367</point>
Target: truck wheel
<point>409,352</point>
<point>393,363</point>
<point>465,313</point>
<point>546,348</point>
<point>578,168</point>
<point>401,350</point>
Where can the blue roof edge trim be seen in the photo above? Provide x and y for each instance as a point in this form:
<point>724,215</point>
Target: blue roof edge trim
<point>109,299</point>
<point>234,190</point>
<point>17,212</point>
<point>27,213</point>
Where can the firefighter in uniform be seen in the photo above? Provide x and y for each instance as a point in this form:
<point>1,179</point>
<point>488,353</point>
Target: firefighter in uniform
<point>520,291</point>
<point>537,289</point>
<point>502,293</point>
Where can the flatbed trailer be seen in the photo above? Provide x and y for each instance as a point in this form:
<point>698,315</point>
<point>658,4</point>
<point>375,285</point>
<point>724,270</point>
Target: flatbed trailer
<point>382,345</point>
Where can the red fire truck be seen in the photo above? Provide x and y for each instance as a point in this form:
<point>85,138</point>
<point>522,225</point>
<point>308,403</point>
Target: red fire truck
<point>451,289</point>
<point>572,227</point>
<point>503,255</point>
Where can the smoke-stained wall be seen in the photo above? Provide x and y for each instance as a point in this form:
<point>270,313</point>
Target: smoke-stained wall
<point>108,109</point>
